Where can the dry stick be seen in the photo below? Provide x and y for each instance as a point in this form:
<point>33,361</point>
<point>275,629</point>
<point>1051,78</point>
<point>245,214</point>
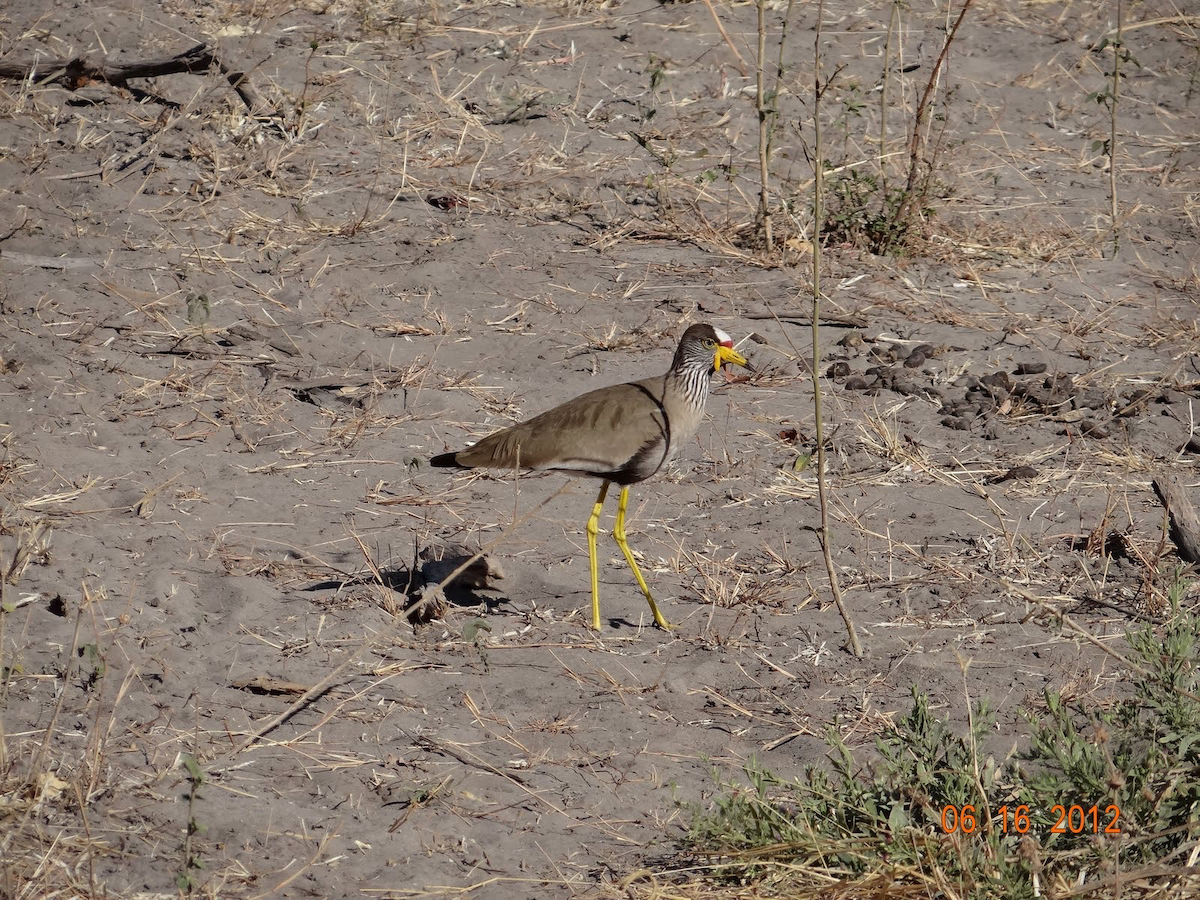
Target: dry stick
<point>517,486</point>
<point>95,748</point>
<point>87,833</point>
<point>325,841</point>
<point>362,548</point>
<point>783,35</point>
<point>893,27</point>
<point>964,664</point>
<point>725,34</point>
<point>52,262</point>
<point>124,163</point>
<point>302,103</point>
<point>1041,605</point>
<point>1184,522</point>
<point>75,73</point>
<point>779,86</point>
<point>764,212</point>
<point>818,212</point>
<point>5,671</point>
<point>467,758</point>
<point>1112,130</point>
<point>302,701</point>
<point>914,147</point>
<point>348,698</point>
<point>62,695</point>
<point>1154,23</point>
<point>1143,875</point>
<point>827,319</point>
<point>95,767</point>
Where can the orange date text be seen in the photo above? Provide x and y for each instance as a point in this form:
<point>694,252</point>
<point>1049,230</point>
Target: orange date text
<point>1074,819</point>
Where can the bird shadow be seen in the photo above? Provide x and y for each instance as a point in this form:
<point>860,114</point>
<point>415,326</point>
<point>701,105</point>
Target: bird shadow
<point>440,578</point>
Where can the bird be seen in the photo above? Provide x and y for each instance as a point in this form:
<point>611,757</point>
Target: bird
<point>621,434</point>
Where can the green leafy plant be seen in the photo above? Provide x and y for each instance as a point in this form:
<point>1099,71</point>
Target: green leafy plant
<point>97,667</point>
<point>185,880</point>
<point>861,212</point>
<point>892,816</point>
<point>1098,792</point>
<point>476,632</point>
<point>1142,758</point>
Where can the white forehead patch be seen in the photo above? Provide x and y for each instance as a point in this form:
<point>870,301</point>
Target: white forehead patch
<point>722,336</point>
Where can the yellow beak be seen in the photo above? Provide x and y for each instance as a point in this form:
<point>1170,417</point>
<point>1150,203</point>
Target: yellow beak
<point>727,354</point>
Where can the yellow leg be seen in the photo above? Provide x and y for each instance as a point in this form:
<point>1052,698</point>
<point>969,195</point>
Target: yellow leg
<point>619,534</point>
<point>593,526</point>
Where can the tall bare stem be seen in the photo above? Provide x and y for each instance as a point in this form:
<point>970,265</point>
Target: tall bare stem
<point>818,214</point>
<point>764,153</point>
<point>1118,50</point>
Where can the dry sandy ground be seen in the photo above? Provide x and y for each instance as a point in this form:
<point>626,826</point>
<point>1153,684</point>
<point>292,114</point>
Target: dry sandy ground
<point>229,344</point>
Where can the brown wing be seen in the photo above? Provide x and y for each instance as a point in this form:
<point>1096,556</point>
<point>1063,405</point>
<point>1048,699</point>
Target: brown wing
<point>620,433</point>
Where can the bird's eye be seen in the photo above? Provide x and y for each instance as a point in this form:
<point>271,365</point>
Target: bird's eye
<point>709,343</point>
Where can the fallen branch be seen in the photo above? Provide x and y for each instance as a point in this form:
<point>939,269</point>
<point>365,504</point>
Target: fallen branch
<point>21,260</point>
<point>1185,523</point>
<point>79,71</point>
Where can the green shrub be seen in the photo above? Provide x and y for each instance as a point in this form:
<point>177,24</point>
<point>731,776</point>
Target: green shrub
<point>928,812</point>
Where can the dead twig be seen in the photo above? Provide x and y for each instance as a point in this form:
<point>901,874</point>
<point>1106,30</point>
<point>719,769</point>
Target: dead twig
<point>62,263</point>
<point>81,70</point>
<point>1185,523</point>
<point>300,703</point>
<point>1041,606</point>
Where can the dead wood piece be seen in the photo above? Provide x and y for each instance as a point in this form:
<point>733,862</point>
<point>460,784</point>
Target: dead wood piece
<point>830,319</point>
<point>79,71</point>
<point>265,684</point>
<point>21,260</point>
<point>1185,523</point>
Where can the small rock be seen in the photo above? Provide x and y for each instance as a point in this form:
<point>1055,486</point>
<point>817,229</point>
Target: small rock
<point>976,410</point>
<point>997,385</point>
<point>1089,399</point>
<point>1133,403</point>
<point>998,380</point>
<point>1074,415</point>
<point>1017,473</point>
<point>1061,385</point>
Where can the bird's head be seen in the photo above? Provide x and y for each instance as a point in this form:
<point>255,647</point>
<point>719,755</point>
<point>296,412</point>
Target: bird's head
<point>708,343</point>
